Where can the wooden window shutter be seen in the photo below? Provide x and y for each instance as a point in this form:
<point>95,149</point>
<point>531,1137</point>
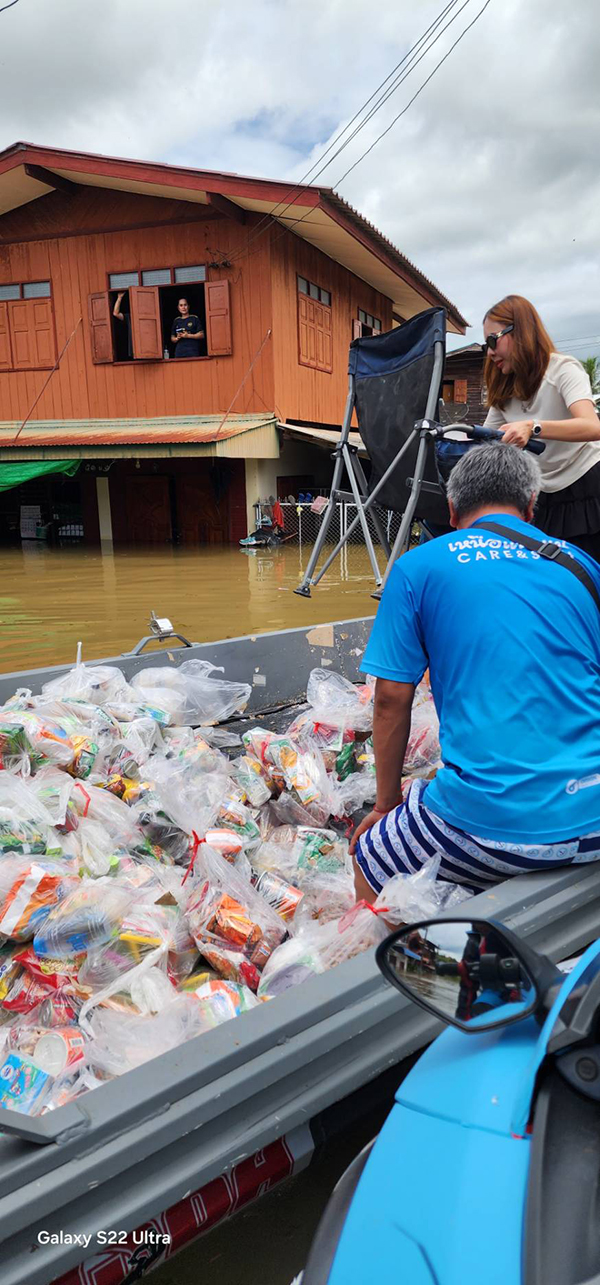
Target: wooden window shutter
<point>324,354</point>
<point>100,328</point>
<point>5,345</point>
<point>218,319</point>
<point>22,335</point>
<point>460,390</point>
<point>43,332</point>
<point>356,329</point>
<point>303,330</point>
<point>146,329</point>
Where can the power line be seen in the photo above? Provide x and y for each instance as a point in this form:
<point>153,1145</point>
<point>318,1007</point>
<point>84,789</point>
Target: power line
<point>290,226</point>
<point>416,95</point>
<point>8,6</point>
<point>280,208</point>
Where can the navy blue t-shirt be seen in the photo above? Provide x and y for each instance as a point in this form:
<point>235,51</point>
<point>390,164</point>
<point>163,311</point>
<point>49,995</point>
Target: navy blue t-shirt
<point>186,347</point>
<point>512,642</point>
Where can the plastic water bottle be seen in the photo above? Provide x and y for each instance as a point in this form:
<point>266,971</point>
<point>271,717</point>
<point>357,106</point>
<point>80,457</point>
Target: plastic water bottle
<point>166,354</point>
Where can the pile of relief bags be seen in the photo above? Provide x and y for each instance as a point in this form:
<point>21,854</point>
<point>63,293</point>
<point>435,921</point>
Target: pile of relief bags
<point>160,874</point>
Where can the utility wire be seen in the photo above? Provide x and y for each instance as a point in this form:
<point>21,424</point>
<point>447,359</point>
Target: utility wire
<point>279,210</point>
<point>298,186</point>
<point>289,226</point>
<point>416,95</point>
<point>8,6</point>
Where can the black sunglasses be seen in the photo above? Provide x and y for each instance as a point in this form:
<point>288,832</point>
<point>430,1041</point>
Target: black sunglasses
<point>492,340</point>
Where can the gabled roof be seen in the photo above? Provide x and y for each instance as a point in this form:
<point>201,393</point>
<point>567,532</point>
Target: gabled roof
<point>316,214</point>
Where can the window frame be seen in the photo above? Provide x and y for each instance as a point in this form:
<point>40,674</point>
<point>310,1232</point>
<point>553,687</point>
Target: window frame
<point>325,309</point>
<point>201,279</point>
<point>370,324</point>
<point>30,301</point>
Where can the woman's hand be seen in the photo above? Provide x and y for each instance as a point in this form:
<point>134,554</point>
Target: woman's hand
<point>518,433</point>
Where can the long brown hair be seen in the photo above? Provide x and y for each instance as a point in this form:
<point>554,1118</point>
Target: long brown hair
<point>531,350</point>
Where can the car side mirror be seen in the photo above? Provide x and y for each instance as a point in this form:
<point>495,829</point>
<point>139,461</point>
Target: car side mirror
<point>474,974</point>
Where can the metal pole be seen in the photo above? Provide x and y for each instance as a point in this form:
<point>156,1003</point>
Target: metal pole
<point>355,522</point>
<point>304,587</point>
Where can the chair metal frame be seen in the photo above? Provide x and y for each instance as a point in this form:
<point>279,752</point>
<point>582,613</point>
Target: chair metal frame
<point>345,456</point>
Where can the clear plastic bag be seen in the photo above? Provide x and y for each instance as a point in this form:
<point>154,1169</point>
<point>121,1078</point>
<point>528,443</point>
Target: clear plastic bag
<point>235,929</point>
<point>142,931</point>
<point>422,756</point>
<point>336,702</point>
<point>319,947</point>
<point>190,694</point>
<point>326,897</point>
<point>405,899</point>
<point>123,1041</point>
<point>89,915</point>
<point>115,816</point>
<point>356,790</point>
<point>219,1001</point>
<point>95,684</point>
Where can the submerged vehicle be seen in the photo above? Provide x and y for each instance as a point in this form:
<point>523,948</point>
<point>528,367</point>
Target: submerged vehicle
<point>170,1149</point>
<point>490,1154</point>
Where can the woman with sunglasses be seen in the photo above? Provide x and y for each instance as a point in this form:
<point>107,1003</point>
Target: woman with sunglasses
<point>533,390</point>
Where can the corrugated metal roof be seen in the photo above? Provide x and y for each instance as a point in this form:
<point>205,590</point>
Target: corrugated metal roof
<point>321,437</point>
<point>129,432</point>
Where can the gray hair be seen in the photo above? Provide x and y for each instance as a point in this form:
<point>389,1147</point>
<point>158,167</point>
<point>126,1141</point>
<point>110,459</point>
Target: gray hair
<point>494,474</point>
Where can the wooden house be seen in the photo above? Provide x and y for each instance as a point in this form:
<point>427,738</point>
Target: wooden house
<point>281,277</point>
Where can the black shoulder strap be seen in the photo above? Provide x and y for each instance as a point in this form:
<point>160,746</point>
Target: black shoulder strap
<point>546,549</point>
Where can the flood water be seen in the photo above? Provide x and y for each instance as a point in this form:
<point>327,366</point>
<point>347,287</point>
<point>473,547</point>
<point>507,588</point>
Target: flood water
<point>51,598</point>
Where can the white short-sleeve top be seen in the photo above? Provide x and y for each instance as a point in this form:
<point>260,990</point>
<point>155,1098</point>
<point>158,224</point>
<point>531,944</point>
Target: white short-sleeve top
<point>565,382</point>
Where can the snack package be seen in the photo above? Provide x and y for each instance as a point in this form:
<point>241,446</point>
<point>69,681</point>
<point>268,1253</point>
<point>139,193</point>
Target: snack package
<point>23,1085</point>
<point>281,895</point>
<point>252,780</point>
<point>219,1001</point>
<point>28,894</point>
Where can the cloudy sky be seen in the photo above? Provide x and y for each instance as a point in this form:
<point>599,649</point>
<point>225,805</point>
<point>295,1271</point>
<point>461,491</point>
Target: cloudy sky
<point>490,182</point>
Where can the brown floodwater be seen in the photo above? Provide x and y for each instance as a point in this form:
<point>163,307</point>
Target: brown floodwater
<point>50,598</point>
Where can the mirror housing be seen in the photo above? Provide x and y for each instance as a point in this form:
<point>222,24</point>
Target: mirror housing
<point>473,974</point>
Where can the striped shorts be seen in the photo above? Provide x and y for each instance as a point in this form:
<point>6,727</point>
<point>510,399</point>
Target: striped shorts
<point>410,835</point>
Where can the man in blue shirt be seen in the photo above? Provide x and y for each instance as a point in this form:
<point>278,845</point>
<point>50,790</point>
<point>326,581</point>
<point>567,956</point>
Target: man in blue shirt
<point>512,643</point>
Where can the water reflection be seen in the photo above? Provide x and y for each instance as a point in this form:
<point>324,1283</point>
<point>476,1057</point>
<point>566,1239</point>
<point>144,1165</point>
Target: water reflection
<point>53,597</point>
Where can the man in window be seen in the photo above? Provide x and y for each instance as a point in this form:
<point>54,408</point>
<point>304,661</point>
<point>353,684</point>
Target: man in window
<point>186,332</point>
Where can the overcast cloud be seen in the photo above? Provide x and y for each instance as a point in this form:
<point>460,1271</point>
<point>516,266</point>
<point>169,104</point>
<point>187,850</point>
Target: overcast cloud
<point>490,183</point>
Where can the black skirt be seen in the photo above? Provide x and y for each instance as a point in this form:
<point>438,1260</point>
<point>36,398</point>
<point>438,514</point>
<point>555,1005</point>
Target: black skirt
<point>573,514</point>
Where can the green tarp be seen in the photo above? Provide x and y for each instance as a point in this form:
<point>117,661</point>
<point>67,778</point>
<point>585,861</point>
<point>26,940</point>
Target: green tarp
<point>19,471</point>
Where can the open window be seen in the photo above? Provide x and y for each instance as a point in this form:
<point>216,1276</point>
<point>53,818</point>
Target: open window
<point>366,324</point>
<point>140,328</point>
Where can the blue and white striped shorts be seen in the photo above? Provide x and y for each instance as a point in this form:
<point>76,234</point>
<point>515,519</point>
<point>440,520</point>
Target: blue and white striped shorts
<point>409,835</point>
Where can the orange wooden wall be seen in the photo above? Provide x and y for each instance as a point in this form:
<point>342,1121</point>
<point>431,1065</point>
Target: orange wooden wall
<point>298,387</point>
<point>77,266</point>
<point>76,241</point>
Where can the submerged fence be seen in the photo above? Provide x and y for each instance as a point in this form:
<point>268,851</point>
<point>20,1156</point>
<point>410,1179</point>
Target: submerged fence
<point>302,525</point>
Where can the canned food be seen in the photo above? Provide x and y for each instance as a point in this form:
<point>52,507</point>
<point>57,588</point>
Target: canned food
<point>283,896</point>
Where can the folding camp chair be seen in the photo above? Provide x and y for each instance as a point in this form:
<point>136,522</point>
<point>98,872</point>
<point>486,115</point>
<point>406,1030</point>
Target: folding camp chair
<point>394,383</point>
